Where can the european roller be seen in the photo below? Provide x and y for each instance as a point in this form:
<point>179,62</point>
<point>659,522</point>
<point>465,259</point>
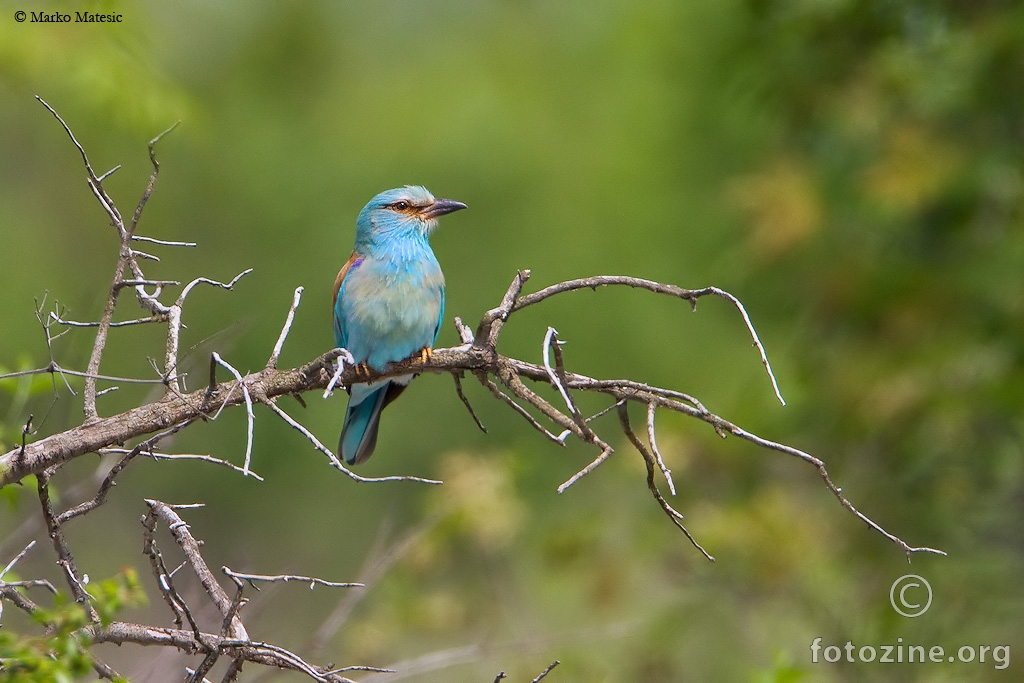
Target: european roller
<point>388,303</point>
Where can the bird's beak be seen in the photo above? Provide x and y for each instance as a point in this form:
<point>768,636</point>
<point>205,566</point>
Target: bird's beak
<point>442,206</point>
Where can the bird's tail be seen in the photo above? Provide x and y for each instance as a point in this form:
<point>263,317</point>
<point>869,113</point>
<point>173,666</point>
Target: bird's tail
<point>362,419</point>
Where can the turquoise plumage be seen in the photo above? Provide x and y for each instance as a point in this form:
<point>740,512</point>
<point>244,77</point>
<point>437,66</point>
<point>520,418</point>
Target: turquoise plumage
<point>388,303</point>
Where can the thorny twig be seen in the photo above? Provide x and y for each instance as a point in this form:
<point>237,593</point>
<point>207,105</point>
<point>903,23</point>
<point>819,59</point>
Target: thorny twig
<point>546,671</point>
<point>251,579</point>
<point>337,464</point>
<point>502,675</point>
<point>9,589</point>
<point>250,416</point>
<point>272,363</point>
<point>60,546</point>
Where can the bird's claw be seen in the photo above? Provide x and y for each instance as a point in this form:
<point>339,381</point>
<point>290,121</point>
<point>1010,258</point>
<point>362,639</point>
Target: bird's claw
<point>426,353</point>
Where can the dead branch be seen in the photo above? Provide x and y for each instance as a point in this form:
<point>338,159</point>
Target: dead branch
<point>482,361</point>
<point>546,671</point>
<point>251,579</point>
<point>232,640</point>
<point>503,376</point>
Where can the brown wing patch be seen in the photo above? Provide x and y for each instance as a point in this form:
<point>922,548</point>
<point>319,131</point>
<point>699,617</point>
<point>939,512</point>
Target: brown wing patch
<point>353,260</point>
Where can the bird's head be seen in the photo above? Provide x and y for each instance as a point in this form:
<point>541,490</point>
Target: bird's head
<point>409,210</point>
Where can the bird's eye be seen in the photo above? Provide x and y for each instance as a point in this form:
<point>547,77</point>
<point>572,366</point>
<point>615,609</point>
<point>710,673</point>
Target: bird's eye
<point>401,205</point>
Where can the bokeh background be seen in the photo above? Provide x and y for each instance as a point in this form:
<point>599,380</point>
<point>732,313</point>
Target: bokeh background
<point>852,170</point>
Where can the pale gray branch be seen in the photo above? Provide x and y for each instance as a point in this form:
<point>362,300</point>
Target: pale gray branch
<point>274,578</point>
<point>296,297</point>
<point>250,415</point>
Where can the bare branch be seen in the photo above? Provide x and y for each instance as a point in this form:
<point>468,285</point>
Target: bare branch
<point>457,376</point>
<point>126,259</point>
<point>142,282</point>
<point>173,314</point>
<point>17,558</point>
<point>95,183</point>
<point>60,546</point>
<point>9,591</point>
<point>546,671</point>
<point>502,396</point>
<point>207,281</point>
<point>146,256</point>
<point>342,356</point>
<point>465,333</point>
<point>654,449</point>
<point>233,670</point>
<point>836,491</point>
<point>673,514</point>
<point>153,455</point>
<point>274,578</point>
<point>119,632</point>
<point>493,320</point>
<point>182,535</point>
<point>337,464</point>
<point>54,368</point>
<point>560,381</point>
<point>478,355</point>
<point>272,363</point>
<point>109,173</point>
<point>122,323</point>
<point>109,481</point>
<point>166,243</point>
<point>586,470</point>
<point>690,295</point>
<point>152,180</point>
<point>251,417</point>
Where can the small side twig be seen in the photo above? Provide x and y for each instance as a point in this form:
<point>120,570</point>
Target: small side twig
<point>546,671</point>
<point>17,558</point>
<point>60,545</point>
<point>250,415</point>
<point>343,358</point>
<point>272,363</point>
<point>673,514</point>
<point>109,481</point>
<point>274,578</point>
<point>165,243</point>
<point>179,529</point>
<point>654,449</point>
<point>337,464</point>
<point>457,376</point>
<point>153,455</point>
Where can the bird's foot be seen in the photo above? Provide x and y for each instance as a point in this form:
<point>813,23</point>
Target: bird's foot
<point>426,353</point>
<point>362,369</point>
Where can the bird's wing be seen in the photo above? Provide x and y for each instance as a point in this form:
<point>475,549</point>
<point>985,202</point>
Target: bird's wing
<point>340,334</point>
<point>440,318</point>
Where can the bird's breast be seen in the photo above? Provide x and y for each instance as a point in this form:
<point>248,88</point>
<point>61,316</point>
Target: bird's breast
<point>391,310</point>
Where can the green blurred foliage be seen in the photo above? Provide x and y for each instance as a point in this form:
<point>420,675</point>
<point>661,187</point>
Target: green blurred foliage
<point>852,170</point>
<point>62,655</point>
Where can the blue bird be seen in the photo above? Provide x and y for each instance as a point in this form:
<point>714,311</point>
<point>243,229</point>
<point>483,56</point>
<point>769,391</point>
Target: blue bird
<point>388,303</point>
